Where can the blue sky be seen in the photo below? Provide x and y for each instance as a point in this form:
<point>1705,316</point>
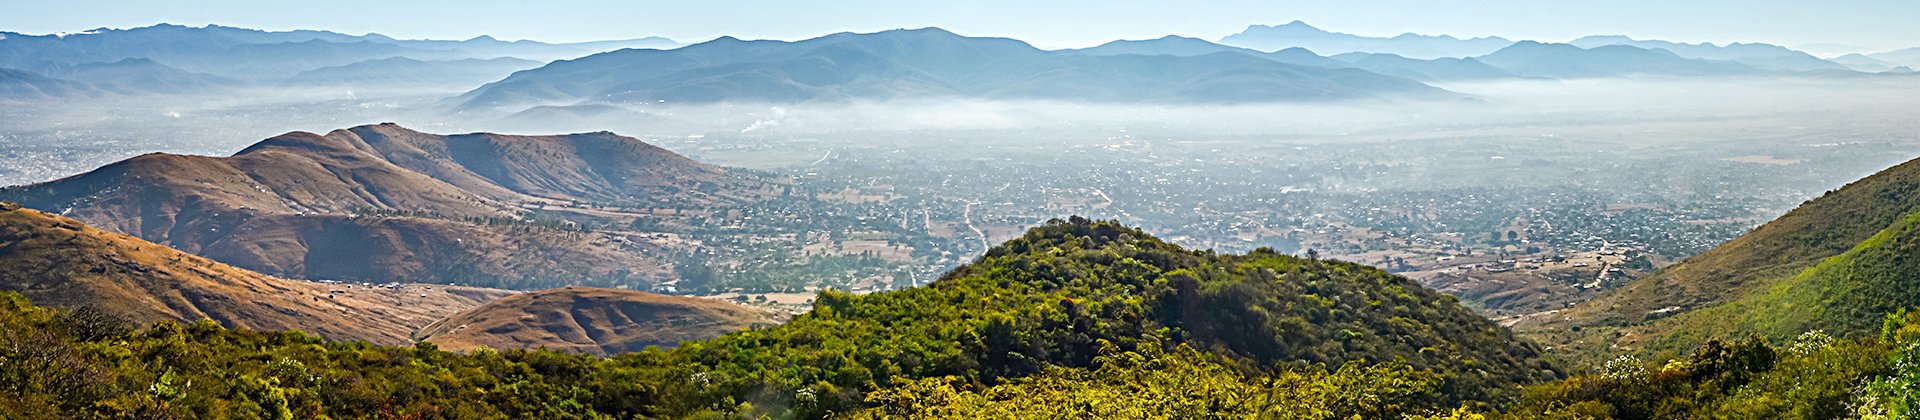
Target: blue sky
<point>1872,24</point>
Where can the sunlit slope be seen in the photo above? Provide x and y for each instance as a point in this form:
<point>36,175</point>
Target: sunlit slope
<point>1847,294</point>
<point>383,203</point>
<point>59,261</point>
<point>1836,263</point>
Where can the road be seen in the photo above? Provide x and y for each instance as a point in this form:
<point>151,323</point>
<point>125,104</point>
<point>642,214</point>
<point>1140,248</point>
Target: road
<point>967,215</point>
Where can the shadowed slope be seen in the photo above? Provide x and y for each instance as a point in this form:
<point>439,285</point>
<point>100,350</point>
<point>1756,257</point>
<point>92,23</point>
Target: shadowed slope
<point>59,261</point>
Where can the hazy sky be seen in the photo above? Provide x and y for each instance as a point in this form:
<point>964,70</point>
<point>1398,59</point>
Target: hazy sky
<point>1873,24</point>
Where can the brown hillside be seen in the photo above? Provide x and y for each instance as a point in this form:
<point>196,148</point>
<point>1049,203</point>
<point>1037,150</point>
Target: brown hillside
<point>591,320</point>
<point>55,260</point>
<point>381,203</point>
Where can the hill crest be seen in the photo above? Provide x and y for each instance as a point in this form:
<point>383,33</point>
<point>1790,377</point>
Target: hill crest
<point>384,203</point>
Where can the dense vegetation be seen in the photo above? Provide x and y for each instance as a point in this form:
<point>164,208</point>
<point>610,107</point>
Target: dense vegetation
<point>1070,295</point>
<point>1053,297</point>
<point>1813,377</point>
<point>1076,319</point>
<point>84,363</point>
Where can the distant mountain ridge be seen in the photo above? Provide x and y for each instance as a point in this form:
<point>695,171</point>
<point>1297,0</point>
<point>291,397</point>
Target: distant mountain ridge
<point>410,72</point>
<point>1909,57</point>
<point>174,59</point>
<point>921,63</point>
<point>1300,34</point>
<point>1174,45</point>
<point>1526,59</point>
<point>1753,54</point>
<point>918,63</point>
<point>245,53</point>
<point>1433,70</point>
<point>22,85</point>
<point>1568,61</point>
<point>140,76</point>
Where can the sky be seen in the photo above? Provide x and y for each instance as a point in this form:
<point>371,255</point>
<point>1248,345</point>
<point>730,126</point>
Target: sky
<point>1871,25</point>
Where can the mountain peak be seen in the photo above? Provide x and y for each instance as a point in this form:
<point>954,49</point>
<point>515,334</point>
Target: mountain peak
<point>930,31</point>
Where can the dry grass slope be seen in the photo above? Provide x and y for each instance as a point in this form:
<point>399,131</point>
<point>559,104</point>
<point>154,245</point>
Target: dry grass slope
<point>591,320</point>
<point>291,205</point>
<point>58,261</point>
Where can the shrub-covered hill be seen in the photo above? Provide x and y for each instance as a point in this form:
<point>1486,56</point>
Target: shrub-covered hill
<point>1068,300</point>
<point>1051,297</point>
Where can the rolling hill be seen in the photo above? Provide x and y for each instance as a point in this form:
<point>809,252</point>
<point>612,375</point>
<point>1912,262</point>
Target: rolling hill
<point>383,203</point>
<point>140,76</point>
<point>59,261</point>
<point>921,63</point>
<point>1427,70</point>
<point>1837,263</point>
<point>1433,70</point>
<point>1528,58</point>
<point>590,320</point>
<point>1761,55</point>
<point>402,71</point>
<point>21,86</point>
<point>1861,62</point>
<point>1909,57</point>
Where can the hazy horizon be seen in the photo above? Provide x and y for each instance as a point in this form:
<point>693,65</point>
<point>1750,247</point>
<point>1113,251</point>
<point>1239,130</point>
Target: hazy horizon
<point>1869,26</point>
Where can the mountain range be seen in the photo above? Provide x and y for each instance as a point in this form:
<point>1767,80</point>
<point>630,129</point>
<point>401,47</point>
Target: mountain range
<point>257,55</point>
<point>19,85</point>
<point>1755,54</point>
<point>382,203</point>
<point>1909,57</point>
<point>173,59</point>
<point>1525,59</point>
<point>1568,61</point>
<point>1299,34</point>
<point>402,71</point>
<point>1294,62</point>
<point>142,76</point>
<point>922,63</point>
